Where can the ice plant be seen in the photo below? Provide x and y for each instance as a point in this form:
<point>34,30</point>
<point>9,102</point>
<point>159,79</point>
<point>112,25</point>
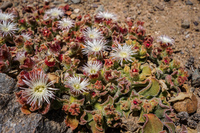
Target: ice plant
<point>6,16</point>
<point>95,47</point>
<point>77,85</point>
<point>54,13</point>
<point>123,53</point>
<point>66,23</point>
<point>92,33</point>
<point>39,89</point>
<point>26,36</point>
<point>92,67</point>
<point>21,56</point>
<point>165,40</point>
<point>101,73</point>
<point>106,16</point>
<point>7,28</point>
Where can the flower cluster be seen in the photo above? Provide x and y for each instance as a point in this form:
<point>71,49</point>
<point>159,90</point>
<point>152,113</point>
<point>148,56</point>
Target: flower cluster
<point>108,70</point>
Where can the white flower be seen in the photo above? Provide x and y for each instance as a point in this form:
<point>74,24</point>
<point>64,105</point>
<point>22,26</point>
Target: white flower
<point>122,53</point>
<point>106,15</point>
<point>95,47</point>
<point>77,86</point>
<point>6,16</point>
<point>66,23</point>
<point>26,36</point>
<point>92,67</point>
<point>165,39</point>
<point>92,33</point>
<point>39,90</point>
<point>21,56</point>
<point>55,13</point>
<point>7,28</point>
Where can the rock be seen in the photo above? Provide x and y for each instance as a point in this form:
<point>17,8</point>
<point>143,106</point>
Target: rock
<point>196,117</point>
<point>185,24</point>
<point>190,62</point>
<point>65,1</point>
<point>196,78</point>
<point>7,84</point>
<point>160,7</point>
<point>56,2</point>
<point>192,124</point>
<point>183,116</point>
<point>12,120</point>
<point>76,1</point>
<point>6,5</point>
<point>193,46</point>
<point>188,105</point>
<point>188,2</point>
<point>76,10</point>
<point>195,23</point>
<point>100,9</point>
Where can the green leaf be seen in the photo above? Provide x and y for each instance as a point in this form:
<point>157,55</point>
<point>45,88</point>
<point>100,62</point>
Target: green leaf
<point>152,124</point>
<point>151,91</point>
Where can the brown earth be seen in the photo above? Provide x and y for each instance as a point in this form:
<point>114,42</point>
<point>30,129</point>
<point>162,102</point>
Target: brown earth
<point>178,19</point>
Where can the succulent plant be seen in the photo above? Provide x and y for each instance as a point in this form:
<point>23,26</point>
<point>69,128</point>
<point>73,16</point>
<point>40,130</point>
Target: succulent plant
<point>109,71</point>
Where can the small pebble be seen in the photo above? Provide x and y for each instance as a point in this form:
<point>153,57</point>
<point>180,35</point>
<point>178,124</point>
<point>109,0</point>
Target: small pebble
<point>193,46</point>
<point>73,16</point>
<point>160,7</point>
<point>56,2</point>
<point>94,5</point>
<point>188,2</point>
<point>195,23</point>
<point>76,10</point>
<point>76,1</point>
<point>185,24</point>
<point>182,52</point>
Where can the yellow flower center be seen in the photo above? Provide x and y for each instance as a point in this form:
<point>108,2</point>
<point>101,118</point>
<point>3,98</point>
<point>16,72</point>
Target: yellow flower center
<point>123,54</point>
<point>39,89</point>
<point>77,86</point>
<point>91,36</point>
<point>93,71</point>
<point>54,14</point>
<point>5,29</point>
<point>65,24</point>
<point>97,48</point>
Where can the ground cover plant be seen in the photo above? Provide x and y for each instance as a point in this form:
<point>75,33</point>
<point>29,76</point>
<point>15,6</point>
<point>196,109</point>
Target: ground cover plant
<point>98,71</point>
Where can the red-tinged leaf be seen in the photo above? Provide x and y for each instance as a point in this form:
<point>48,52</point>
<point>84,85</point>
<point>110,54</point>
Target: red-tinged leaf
<point>152,124</point>
<point>95,128</point>
<point>71,122</point>
<point>171,127</point>
<point>152,89</point>
<point>45,109</point>
<point>25,110</point>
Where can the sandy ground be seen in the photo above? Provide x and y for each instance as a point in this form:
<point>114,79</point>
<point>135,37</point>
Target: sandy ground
<point>160,17</point>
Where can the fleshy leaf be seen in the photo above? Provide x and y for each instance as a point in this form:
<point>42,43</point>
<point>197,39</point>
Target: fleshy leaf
<point>152,124</point>
<point>95,128</point>
<point>151,91</point>
<point>171,127</point>
<point>71,122</point>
